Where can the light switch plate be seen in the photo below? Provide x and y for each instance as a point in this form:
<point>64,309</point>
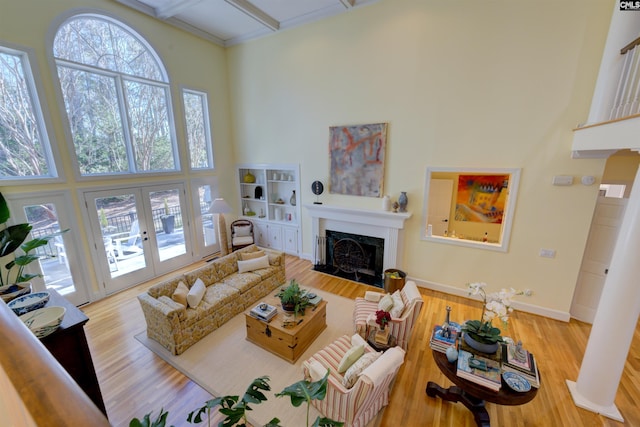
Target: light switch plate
<point>547,253</point>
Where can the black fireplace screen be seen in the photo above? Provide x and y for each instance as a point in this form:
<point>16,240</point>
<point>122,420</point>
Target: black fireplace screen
<point>351,256</point>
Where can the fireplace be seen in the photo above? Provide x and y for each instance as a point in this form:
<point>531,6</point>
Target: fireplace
<point>375,236</point>
<point>352,256</point>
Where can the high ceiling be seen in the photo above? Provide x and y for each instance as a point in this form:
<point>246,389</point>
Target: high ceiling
<point>229,22</point>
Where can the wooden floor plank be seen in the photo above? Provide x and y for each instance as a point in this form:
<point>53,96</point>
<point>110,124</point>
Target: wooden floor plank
<point>134,381</point>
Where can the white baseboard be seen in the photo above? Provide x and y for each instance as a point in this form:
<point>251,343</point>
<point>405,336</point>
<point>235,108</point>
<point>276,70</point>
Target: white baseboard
<point>452,290</point>
<point>518,305</point>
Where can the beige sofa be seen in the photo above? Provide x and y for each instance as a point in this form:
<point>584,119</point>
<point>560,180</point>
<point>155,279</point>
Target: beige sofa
<point>228,293</point>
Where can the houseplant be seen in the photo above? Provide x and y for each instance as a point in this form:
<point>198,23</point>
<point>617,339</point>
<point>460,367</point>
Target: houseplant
<point>168,220</point>
<point>235,407</point>
<point>293,298</point>
<point>480,334</point>
<point>12,238</point>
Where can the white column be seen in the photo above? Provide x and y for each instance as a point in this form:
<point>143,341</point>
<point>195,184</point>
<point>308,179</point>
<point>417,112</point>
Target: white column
<point>615,320</point>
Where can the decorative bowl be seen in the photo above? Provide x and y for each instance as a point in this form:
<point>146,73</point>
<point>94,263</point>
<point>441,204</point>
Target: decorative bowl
<point>516,382</point>
<point>43,321</point>
<point>29,302</point>
<point>14,291</point>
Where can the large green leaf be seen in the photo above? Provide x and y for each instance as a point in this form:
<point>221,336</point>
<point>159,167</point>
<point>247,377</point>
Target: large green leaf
<point>4,210</point>
<point>12,237</point>
<point>305,391</point>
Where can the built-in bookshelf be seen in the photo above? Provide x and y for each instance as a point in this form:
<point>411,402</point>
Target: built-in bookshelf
<point>269,197</point>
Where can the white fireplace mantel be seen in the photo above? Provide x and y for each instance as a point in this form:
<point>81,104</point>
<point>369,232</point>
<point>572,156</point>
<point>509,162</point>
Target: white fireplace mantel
<point>365,222</point>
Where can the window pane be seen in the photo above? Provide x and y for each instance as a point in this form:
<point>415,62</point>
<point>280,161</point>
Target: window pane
<point>198,136</point>
<point>22,150</point>
<point>92,108</point>
<point>102,44</point>
<point>150,132</point>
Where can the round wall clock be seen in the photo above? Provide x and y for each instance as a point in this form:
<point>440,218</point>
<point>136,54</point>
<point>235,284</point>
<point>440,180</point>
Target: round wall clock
<point>317,188</point>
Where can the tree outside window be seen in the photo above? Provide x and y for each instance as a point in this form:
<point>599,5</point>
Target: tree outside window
<point>197,125</point>
<point>116,95</point>
<point>24,146</point>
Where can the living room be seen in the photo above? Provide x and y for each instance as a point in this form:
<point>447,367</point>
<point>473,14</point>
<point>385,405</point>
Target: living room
<point>499,85</point>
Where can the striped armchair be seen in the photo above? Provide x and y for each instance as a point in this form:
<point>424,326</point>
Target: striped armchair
<point>358,405</point>
<point>401,327</point>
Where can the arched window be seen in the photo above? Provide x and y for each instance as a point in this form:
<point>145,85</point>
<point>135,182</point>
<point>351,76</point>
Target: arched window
<point>117,98</point>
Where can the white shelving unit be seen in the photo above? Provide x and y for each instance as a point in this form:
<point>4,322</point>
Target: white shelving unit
<point>266,192</point>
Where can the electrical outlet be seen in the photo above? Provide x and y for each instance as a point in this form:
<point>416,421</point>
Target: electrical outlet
<point>547,253</point>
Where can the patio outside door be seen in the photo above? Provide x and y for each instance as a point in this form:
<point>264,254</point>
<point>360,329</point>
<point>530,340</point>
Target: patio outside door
<point>139,233</point>
<point>49,213</point>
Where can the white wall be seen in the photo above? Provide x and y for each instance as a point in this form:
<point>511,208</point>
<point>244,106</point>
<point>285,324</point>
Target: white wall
<point>462,84</point>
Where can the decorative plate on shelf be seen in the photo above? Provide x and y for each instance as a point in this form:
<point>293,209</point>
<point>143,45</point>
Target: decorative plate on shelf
<point>516,382</point>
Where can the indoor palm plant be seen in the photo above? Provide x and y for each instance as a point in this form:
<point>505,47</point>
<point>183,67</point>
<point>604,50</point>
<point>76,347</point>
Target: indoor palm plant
<point>481,334</point>
<point>12,238</point>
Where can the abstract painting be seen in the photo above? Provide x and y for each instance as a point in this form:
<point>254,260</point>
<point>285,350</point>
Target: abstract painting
<point>482,198</point>
<point>357,159</point>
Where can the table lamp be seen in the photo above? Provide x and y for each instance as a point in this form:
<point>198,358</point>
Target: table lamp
<point>220,207</point>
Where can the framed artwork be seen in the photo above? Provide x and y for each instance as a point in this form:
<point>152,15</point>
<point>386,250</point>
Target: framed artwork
<point>357,159</point>
<point>481,198</point>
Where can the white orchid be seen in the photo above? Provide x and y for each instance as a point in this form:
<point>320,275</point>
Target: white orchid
<point>494,305</point>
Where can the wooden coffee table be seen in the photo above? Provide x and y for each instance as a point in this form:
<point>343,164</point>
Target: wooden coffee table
<point>276,336</point>
<point>472,395</point>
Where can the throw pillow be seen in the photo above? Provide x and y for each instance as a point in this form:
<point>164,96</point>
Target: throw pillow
<point>316,370</point>
<point>385,303</point>
<point>350,357</point>
<point>180,294</point>
<point>398,305</point>
<point>354,371</point>
<point>373,296</point>
<point>245,256</point>
<point>253,264</point>
<point>242,230</point>
<point>196,293</point>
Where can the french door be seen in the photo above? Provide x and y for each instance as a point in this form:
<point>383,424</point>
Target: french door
<point>49,213</point>
<point>138,233</point>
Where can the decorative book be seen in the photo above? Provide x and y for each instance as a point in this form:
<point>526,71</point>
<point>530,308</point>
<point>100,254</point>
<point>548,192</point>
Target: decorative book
<point>439,340</point>
<point>530,374</point>
<point>480,370</point>
<point>264,312</point>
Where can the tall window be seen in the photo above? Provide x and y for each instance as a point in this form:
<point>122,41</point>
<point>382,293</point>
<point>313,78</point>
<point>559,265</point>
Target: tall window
<point>116,94</point>
<point>196,113</point>
<point>24,147</point>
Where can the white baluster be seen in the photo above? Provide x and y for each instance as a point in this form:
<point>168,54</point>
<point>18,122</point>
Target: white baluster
<point>617,103</point>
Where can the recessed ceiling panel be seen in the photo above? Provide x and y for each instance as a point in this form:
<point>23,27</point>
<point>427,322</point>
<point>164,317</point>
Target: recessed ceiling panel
<point>219,18</point>
<point>284,10</point>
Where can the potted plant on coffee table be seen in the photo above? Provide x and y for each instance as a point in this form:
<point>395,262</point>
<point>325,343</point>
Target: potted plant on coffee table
<point>293,298</point>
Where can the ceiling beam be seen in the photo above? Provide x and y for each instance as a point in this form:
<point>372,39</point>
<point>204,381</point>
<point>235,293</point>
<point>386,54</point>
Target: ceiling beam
<point>255,13</point>
<point>174,8</point>
<point>348,3</point>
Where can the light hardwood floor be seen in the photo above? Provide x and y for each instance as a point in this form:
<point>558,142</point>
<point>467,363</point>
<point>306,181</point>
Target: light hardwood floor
<point>134,381</point>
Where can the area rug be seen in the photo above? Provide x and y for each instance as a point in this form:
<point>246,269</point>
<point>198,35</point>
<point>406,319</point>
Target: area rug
<point>225,363</point>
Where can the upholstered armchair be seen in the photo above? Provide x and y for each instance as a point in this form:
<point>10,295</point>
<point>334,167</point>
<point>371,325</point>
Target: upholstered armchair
<point>401,325</point>
<point>355,406</point>
<point>241,234</point>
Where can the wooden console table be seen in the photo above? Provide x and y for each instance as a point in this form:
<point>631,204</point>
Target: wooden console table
<point>68,344</point>
<point>473,395</point>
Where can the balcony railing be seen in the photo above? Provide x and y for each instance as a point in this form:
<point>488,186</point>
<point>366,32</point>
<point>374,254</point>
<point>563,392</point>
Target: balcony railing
<point>627,100</point>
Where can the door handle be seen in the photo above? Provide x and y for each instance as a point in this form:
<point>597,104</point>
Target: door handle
<point>606,271</point>
<point>445,220</point>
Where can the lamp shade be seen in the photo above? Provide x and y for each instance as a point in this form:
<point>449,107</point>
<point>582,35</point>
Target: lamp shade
<point>220,206</point>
